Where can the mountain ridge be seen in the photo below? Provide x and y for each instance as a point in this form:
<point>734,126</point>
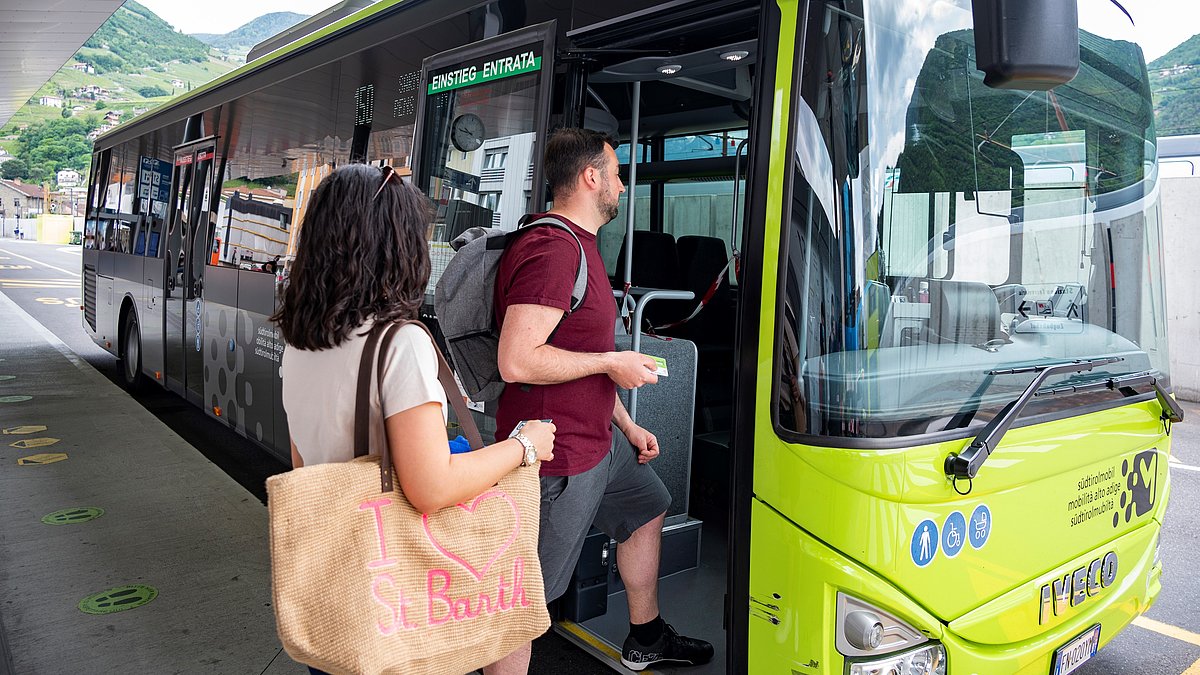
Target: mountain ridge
<point>252,32</point>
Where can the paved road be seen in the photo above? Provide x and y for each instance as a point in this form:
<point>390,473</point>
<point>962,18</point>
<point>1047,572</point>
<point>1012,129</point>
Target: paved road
<point>44,281</point>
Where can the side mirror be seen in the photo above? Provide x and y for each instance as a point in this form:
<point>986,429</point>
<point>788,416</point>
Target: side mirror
<point>1026,44</point>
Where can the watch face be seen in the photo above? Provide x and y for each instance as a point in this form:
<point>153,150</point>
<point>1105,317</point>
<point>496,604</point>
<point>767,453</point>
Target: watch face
<point>466,132</point>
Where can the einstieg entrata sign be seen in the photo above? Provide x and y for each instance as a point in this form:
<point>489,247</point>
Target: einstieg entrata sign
<point>488,69</point>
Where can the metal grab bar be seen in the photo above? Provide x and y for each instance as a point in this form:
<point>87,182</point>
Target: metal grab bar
<point>637,330</point>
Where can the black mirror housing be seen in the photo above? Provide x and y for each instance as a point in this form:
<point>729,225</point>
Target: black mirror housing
<point>1026,44</point>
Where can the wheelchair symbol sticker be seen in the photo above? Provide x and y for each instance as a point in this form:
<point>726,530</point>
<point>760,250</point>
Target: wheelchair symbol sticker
<point>954,533</point>
<point>980,527</point>
<point>924,544</point>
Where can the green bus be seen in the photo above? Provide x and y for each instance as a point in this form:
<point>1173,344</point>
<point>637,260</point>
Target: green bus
<point>917,416</point>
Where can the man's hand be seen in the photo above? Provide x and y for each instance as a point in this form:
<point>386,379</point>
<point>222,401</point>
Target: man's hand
<point>645,442</point>
<point>631,370</point>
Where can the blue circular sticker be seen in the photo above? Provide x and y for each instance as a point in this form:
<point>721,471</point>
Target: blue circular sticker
<point>924,544</point>
<point>954,534</point>
<point>980,527</point>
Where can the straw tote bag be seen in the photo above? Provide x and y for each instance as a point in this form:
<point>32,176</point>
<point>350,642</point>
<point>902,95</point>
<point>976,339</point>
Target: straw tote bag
<point>363,583</point>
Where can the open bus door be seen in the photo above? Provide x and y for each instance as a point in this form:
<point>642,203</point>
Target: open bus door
<point>187,249</point>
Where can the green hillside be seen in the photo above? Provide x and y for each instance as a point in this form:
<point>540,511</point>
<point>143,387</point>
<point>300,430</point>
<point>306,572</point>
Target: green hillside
<point>136,37</point>
<point>134,63</point>
<point>246,36</point>
<point>1175,81</point>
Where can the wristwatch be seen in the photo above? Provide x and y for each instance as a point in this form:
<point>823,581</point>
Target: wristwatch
<point>531,456</point>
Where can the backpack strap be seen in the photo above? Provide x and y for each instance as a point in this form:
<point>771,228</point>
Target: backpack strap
<point>579,290</point>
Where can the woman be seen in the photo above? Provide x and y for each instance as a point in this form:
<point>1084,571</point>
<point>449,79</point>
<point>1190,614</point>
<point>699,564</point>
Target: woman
<point>363,258</point>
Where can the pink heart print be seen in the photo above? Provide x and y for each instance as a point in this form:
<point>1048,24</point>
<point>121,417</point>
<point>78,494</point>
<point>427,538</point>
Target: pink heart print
<point>470,508</point>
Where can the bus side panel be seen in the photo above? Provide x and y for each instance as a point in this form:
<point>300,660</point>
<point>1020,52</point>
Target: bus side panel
<point>106,314</point>
<point>151,318</point>
<point>127,287</point>
<point>262,348</point>
<point>222,361</point>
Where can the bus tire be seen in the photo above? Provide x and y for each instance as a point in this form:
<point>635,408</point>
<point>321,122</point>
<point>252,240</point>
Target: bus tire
<point>130,362</point>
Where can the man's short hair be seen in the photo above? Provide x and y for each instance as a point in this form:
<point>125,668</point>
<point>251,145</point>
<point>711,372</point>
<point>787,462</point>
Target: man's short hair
<point>569,151</point>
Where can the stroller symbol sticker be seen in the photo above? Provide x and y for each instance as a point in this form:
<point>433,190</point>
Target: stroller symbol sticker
<point>980,527</point>
<point>924,544</point>
<point>954,532</point>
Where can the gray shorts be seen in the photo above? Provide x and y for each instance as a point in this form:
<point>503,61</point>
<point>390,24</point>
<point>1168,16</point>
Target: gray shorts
<point>618,496</point>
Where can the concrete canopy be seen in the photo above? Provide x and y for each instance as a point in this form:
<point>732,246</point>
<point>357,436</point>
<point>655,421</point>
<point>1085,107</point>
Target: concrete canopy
<point>36,38</point>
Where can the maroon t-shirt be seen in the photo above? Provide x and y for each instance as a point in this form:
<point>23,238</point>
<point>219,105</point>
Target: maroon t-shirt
<point>539,269</point>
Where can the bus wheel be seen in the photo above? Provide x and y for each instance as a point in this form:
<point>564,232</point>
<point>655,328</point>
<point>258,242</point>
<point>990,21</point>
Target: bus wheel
<point>130,363</point>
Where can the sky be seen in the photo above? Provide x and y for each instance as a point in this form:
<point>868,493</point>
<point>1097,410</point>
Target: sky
<point>222,16</point>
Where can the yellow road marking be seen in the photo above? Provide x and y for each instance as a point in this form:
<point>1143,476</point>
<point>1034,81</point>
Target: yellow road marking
<point>27,443</point>
<point>1193,669</point>
<point>44,458</point>
<point>59,269</point>
<point>1168,630</point>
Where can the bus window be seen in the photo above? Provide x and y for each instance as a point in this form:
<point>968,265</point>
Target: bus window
<point>254,217</point>
<point>123,233</point>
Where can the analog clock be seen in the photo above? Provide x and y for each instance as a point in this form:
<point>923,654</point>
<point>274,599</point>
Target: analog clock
<point>467,132</point>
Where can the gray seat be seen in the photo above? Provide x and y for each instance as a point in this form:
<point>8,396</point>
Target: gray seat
<point>965,312</point>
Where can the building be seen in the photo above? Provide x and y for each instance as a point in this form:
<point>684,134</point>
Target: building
<point>68,178</point>
<point>178,83</point>
<point>84,68</point>
<point>113,117</point>
<point>22,199</point>
<point>51,101</point>
<point>92,92</point>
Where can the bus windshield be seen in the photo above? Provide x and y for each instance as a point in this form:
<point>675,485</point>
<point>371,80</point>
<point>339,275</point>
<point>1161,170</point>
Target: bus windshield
<point>941,230</point>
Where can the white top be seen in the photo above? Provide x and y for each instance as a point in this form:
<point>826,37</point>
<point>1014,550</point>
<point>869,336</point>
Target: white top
<point>319,390</point>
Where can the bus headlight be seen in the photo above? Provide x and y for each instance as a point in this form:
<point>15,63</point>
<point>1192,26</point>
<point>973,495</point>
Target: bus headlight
<point>927,660</point>
<point>865,630</point>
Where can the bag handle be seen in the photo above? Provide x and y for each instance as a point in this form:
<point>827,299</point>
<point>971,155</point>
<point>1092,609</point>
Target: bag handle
<point>378,341</point>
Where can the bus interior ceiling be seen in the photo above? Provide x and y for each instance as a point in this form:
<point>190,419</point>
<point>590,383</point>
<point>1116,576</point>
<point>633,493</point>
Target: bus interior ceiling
<point>692,124</point>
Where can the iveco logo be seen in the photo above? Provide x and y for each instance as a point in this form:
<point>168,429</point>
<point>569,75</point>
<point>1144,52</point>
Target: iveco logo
<point>1076,587</point>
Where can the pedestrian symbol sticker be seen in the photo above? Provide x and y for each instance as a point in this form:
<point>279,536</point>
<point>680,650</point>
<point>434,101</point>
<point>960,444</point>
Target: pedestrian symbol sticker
<point>924,543</point>
<point>14,399</point>
<point>44,458</point>
<point>954,534</point>
<point>117,599</point>
<point>26,443</point>
<point>23,431</point>
<point>980,526</point>
<point>72,516</point>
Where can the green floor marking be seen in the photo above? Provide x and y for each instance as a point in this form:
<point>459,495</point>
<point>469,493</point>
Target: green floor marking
<point>73,516</point>
<point>6,378</point>
<point>44,458</point>
<point>21,431</point>
<point>117,599</point>
<point>14,399</point>
<point>26,443</point>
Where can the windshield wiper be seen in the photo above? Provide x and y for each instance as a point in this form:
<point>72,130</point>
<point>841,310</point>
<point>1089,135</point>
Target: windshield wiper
<point>967,463</point>
<point>1171,410</point>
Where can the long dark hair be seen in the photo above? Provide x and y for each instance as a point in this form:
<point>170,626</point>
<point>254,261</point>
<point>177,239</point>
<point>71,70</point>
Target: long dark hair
<point>362,253</point>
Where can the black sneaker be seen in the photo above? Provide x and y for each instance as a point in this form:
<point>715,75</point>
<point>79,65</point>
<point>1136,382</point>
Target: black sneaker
<point>671,647</point>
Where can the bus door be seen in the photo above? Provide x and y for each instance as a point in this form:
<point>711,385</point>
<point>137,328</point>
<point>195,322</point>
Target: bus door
<point>481,120</point>
<point>187,246</point>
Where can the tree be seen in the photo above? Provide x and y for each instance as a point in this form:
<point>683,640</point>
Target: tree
<point>14,168</point>
<point>66,111</point>
<point>152,91</point>
<point>101,105</point>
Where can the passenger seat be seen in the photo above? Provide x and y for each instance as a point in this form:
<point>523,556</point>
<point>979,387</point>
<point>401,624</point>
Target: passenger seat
<point>655,266</point>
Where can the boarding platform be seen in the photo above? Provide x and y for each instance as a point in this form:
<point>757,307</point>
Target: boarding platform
<point>122,549</point>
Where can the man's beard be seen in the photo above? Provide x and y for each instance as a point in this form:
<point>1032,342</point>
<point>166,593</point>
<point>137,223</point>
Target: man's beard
<point>609,210</point>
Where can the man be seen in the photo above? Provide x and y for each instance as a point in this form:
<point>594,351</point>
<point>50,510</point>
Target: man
<point>572,379</point>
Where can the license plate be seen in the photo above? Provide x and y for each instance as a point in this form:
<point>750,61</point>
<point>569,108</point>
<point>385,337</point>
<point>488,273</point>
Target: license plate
<point>1071,656</point>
